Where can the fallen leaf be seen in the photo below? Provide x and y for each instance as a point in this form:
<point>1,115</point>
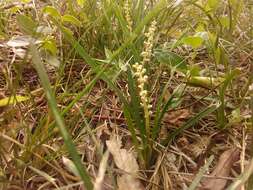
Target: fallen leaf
<point>128,182</point>
<point>21,41</point>
<point>176,117</point>
<point>125,161</point>
<point>222,169</point>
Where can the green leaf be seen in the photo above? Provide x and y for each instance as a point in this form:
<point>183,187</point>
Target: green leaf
<point>172,59</point>
<point>68,142</point>
<point>14,9</point>
<point>26,24</point>
<point>80,2</point>
<point>193,41</point>
<point>225,22</point>
<point>194,70</point>
<point>173,101</point>
<point>195,183</point>
<point>12,100</point>
<point>67,31</point>
<point>213,3</point>
<point>71,19</point>
<point>26,1</point>
<point>50,45</point>
<point>53,12</point>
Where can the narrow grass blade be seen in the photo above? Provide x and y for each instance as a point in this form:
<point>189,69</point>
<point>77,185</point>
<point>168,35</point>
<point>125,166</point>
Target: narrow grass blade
<point>58,118</point>
<point>200,174</point>
<point>45,175</point>
<point>221,110</point>
<point>160,111</point>
<point>242,178</point>
<point>190,123</point>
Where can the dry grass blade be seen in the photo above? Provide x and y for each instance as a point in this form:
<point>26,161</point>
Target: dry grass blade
<point>45,175</point>
<point>125,161</point>
<point>101,172</point>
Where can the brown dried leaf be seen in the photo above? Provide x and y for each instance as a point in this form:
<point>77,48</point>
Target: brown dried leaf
<point>176,117</point>
<point>125,161</point>
<point>222,169</point>
<point>129,182</point>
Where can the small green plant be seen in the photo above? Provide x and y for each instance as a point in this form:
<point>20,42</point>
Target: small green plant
<point>138,111</point>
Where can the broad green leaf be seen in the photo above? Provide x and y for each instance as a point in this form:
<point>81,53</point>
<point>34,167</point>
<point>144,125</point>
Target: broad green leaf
<point>67,31</point>
<point>50,45</point>
<point>26,1</point>
<point>71,19</point>
<point>212,3</point>
<point>225,22</point>
<point>26,24</point>
<point>80,2</point>
<point>53,12</point>
<point>14,9</point>
<point>12,100</point>
<point>193,41</point>
<point>194,70</point>
<point>171,59</point>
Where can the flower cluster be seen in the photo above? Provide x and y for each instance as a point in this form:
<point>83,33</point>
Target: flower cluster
<point>148,44</point>
<point>140,71</point>
<point>128,15</point>
<point>142,79</point>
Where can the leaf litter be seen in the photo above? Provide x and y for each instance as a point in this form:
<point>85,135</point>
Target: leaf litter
<point>126,161</point>
<point>222,169</point>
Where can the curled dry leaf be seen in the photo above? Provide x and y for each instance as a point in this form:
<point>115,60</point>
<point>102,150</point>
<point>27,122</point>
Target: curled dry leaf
<point>125,161</point>
<point>176,117</point>
<point>222,169</point>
